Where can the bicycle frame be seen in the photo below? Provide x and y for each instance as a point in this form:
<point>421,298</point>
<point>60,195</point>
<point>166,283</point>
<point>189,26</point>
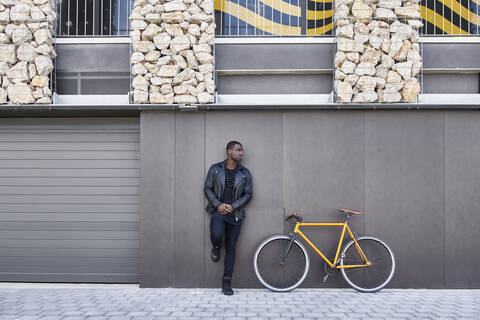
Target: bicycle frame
<point>335,261</point>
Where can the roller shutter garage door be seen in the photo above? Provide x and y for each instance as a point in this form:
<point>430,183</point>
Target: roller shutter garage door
<point>69,203</point>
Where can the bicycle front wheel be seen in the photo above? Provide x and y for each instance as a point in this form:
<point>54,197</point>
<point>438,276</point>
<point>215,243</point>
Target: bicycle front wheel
<point>274,274</point>
<point>381,266</point>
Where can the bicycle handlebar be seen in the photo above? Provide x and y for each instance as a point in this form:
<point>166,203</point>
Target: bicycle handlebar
<point>295,215</point>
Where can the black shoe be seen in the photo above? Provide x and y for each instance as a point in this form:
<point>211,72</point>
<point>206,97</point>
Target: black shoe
<point>227,286</point>
<point>215,253</point>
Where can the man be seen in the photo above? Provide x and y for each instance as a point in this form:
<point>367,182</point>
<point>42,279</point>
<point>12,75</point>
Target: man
<point>228,188</point>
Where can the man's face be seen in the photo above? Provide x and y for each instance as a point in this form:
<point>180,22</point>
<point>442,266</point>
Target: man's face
<point>236,153</point>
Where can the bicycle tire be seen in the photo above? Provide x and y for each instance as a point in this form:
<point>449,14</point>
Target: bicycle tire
<point>271,273</point>
<point>377,275</point>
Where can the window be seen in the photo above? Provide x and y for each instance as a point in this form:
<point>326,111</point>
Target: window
<point>452,17</point>
<point>261,17</point>
<point>93,17</point>
<point>273,17</point>
<point>315,17</point>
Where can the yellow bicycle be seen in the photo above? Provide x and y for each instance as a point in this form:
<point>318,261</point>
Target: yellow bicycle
<point>281,262</point>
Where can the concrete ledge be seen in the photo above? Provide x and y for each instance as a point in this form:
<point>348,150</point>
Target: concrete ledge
<point>262,40</point>
<point>121,101</point>
<point>258,72</point>
<point>90,99</point>
<point>92,40</point>
<point>117,105</point>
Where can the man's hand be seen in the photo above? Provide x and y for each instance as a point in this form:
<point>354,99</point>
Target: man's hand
<point>224,208</point>
<point>221,209</point>
<point>229,208</point>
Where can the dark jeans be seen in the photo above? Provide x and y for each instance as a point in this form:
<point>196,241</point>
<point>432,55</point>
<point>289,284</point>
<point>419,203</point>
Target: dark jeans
<point>220,228</point>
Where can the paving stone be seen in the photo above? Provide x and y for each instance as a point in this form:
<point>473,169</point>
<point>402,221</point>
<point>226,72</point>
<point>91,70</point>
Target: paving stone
<point>180,314</point>
<point>147,304</point>
<point>160,313</point>
<point>249,314</point>
<point>115,313</point>
<point>203,314</point>
<point>224,314</point>
<point>73,313</point>
<point>336,315</point>
<point>469,315</point>
<point>313,314</point>
<point>134,314</point>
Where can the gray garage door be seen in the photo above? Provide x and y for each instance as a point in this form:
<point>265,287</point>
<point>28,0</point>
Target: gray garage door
<point>69,204</point>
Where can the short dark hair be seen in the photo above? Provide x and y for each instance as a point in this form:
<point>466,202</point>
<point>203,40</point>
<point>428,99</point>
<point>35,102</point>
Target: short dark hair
<point>232,144</point>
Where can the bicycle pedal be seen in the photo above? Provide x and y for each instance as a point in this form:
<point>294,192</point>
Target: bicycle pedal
<point>325,277</point>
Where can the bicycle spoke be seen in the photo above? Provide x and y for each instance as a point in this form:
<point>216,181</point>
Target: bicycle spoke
<point>276,275</point>
<point>377,274</point>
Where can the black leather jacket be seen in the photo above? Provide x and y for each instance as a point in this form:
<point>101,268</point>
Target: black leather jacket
<point>215,184</point>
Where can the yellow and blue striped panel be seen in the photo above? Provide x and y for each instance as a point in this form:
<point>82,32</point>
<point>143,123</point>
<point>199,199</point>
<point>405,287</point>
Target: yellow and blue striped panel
<point>319,17</point>
<point>454,17</point>
<point>259,17</point>
<point>315,17</point>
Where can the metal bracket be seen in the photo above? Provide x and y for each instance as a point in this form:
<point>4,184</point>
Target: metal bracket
<point>188,108</point>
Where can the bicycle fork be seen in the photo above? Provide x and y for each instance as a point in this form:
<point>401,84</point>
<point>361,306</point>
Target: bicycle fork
<point>293,236</point>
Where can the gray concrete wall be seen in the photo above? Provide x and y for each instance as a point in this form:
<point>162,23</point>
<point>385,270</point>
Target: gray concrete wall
<point>104,68</point>
<point>414,174</point>
<point>456,68</point>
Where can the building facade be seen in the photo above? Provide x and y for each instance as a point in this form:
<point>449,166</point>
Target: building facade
<point>96,188</point>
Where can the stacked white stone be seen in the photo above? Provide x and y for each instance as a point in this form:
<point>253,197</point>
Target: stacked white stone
<point>172,59</point>
<point>378,53</point>
<point>26,51</point>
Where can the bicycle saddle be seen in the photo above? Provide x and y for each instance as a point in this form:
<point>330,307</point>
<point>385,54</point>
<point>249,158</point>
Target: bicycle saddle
<point>351,211</point>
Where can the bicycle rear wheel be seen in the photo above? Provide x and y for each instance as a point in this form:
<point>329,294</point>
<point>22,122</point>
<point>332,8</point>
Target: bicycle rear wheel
<point>268,266</point>
<point>380,270</point>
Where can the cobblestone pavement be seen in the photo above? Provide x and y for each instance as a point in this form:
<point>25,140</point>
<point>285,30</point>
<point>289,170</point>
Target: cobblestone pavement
<point>119,303</point>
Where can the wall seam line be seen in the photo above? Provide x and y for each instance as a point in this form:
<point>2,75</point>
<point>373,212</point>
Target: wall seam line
<point>204,200</point>
<point>141,263</point>
<point>284,171</point>
<point>444,203</point>
<point>173,189</point>
<point>365,171</point>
